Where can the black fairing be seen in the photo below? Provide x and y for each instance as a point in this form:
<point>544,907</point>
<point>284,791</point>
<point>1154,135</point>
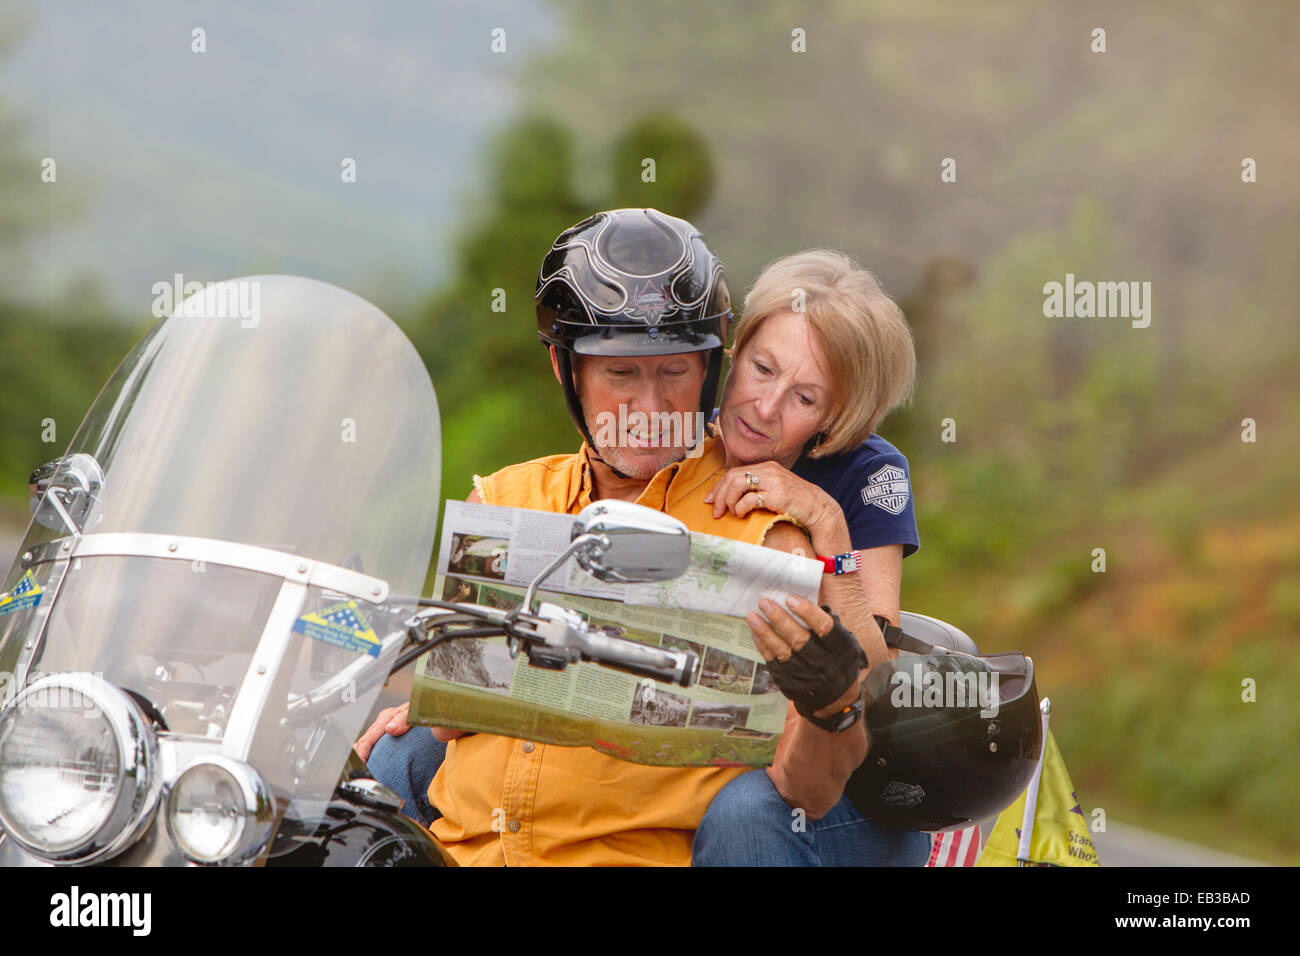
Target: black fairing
<point>353,835</point>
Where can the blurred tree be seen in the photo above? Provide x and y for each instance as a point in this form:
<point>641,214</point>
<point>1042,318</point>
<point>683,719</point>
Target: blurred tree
<point>683,167</point>
<point>934,311</point>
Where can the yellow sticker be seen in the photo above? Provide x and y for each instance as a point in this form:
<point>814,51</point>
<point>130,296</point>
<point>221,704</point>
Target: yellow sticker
<point>26,593</point>
<point>343,625</point>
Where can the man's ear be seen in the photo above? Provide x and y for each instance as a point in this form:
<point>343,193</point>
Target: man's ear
<point>555,365</point>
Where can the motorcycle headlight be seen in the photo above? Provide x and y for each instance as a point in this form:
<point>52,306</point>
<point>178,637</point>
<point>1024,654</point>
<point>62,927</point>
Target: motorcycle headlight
<point>220,811</point>
<point>79,774</point>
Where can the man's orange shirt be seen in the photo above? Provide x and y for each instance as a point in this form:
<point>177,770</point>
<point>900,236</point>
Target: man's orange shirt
<point>518,803</point>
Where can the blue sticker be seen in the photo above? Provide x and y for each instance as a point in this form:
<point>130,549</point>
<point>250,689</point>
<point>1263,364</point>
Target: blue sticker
<point>342,625</point>
<point>26,593</point>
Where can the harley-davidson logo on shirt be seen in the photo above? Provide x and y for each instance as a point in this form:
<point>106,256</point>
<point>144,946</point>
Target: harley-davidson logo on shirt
<point>887,489</point>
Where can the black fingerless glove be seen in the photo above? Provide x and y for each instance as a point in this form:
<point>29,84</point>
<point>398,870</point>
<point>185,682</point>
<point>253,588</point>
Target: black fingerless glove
<point>820,672</point>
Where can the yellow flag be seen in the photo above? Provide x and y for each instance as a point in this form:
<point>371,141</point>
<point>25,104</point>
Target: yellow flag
<point>1059,830</point>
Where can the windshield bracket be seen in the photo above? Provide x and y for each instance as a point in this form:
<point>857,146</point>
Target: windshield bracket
<point>291,567</point>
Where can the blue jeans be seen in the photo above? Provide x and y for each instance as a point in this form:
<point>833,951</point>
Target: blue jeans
<point>406,765</point>
<point>748,824</point>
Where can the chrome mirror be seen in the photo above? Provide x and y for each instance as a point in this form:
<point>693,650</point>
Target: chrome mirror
<point>639,544</point>
<point>63,491</point>
<point>622,542</point>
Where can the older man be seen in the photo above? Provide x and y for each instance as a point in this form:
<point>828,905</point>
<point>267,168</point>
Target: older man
<point>634,309</point>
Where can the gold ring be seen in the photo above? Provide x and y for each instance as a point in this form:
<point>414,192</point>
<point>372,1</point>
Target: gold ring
<point>760,503</point>
<point>751,481</point>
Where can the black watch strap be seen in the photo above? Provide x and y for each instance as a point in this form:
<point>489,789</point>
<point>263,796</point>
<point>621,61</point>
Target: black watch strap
<point>840,721</point>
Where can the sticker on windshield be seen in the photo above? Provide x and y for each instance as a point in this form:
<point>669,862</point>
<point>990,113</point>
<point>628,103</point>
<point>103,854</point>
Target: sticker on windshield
<point>342,625</point>
<point>26,593</point>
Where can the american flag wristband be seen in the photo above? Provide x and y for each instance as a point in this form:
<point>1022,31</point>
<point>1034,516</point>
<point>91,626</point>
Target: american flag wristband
<point>842,563</point>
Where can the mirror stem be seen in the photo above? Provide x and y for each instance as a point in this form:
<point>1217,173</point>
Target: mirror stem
<point>63,514</point>
<point>596,542</point>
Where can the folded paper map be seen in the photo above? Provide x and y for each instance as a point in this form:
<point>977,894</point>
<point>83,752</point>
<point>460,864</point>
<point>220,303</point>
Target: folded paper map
<point>489,554</point>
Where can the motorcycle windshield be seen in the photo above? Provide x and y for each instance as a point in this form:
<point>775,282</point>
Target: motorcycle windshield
<point>276,412</point>
<point>311,426</point>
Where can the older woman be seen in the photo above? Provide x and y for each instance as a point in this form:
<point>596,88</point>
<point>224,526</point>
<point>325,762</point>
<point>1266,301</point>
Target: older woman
<point>821,354</point>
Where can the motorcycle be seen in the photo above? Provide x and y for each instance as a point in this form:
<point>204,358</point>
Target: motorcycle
<point>213,591</point>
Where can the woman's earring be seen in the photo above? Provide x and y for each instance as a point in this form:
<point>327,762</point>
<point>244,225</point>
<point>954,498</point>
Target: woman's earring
<point>814,444</point>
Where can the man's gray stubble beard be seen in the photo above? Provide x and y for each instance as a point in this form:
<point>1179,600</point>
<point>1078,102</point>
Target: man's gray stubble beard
<point>642,470</point>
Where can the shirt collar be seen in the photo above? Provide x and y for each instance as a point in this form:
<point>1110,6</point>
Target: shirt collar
<point>664,489</point>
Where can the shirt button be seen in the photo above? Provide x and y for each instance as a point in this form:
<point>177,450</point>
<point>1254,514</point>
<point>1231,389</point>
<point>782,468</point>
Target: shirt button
<point>514,826</point>
<point>528,747</point>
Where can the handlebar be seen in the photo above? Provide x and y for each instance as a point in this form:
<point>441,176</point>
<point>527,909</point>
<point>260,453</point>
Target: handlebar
<point>671,667</point>
<point>554,637</point>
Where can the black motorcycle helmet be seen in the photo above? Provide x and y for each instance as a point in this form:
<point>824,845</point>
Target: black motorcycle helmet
<point>935,762</point>
<point>632,282</point>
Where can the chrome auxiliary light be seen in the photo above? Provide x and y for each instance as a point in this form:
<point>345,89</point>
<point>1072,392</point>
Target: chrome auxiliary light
<point>220,811</point>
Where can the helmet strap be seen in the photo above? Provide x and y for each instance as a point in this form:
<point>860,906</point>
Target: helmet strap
<point>895,637</point>
<point>709,391</point>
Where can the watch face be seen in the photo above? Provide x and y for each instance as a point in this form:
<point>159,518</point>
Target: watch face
<point>837,723</point>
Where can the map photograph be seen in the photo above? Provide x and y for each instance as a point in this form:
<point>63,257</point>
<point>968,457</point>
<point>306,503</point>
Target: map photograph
<point>473,661</point>
<point>478,555</point>
<point>624,632</point>
<point>458,589</point>
<point>498,598</point>
<point>763,682</point>
<point>658,708</point>
<point>730,577</point>
<point>706,713</point>
<point>727,672</point>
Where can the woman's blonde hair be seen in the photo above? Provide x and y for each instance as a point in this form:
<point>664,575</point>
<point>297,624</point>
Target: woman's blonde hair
<point>862,333</point>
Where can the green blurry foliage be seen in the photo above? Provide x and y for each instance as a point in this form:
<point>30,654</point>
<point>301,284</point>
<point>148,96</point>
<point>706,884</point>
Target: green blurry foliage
<point>53,361</point>
<point>1171,736</point>
<point>1284,602</point>
<point>684,175</point>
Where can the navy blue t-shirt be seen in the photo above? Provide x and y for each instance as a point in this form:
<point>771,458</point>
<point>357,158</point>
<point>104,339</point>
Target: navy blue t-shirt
<point>873,488</point>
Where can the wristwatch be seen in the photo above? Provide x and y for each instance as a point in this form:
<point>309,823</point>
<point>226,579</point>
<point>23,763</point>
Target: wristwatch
<point>842,563</point>
<point>839,721</point>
